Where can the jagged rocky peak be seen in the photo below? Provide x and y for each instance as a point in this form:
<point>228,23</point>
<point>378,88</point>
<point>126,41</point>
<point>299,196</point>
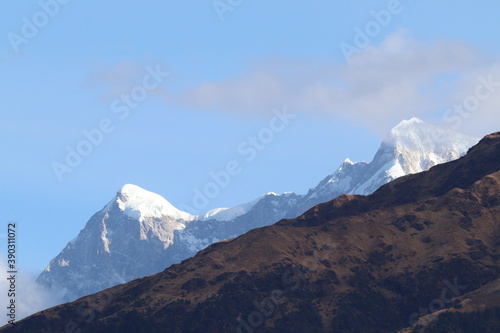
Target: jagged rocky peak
<point>418,145</point>
<point>410,147</point>
<point>347,161</point>
<point>417,134</point>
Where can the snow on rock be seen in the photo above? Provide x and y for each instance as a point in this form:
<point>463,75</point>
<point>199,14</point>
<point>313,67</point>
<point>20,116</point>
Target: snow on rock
<point>411,146</point>
<point>421,145</point>
<point>227,214</point>
<point>138,203</point>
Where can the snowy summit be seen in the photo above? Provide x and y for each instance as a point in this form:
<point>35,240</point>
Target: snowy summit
<point>139,203</point>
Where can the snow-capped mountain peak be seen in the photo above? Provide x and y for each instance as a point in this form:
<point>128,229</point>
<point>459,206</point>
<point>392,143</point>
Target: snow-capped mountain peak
<point>411,146</point>
<point>347,161</point>
<point>418,145</point>
<point>410,122</point>
<point>140,233</point>
<point>139,203</point>
<point>417,134</point>
<point>410,134</point>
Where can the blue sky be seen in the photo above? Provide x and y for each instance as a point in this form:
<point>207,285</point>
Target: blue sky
<point>69,73</point>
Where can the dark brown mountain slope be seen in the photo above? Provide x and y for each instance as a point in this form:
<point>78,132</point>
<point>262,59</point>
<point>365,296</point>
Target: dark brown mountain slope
<point>354,264</point>
<point>482,304</point>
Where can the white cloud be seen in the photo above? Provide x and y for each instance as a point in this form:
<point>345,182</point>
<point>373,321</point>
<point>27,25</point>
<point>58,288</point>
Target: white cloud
<point>474,105</point>
<point>31,297</point>
<point>399,78</point>
<point>118,79</point>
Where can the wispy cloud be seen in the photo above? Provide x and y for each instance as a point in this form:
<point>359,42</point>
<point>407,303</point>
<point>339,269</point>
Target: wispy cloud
<point>399,78</point>
<point>31,297</point>
<point>474,104</point>
<point>115,80</point>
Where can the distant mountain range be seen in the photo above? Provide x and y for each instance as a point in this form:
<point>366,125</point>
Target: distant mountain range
<point>139,233</point>
<point>419,254</point>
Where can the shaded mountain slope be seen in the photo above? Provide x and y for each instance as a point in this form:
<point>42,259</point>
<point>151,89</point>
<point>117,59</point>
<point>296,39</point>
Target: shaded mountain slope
<point>354,264</point>
<point>476,311</point>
